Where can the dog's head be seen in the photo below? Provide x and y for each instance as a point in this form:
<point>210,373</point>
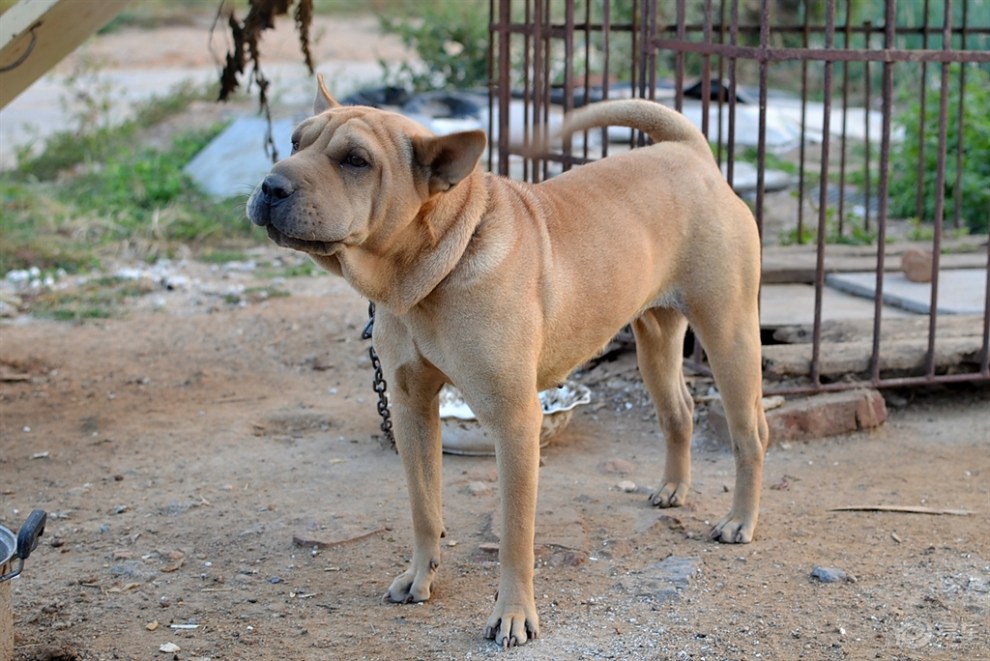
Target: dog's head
<point>357,176</point>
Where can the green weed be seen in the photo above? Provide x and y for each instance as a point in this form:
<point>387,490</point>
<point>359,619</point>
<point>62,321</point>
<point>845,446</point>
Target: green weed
<point>973,133</point>
<point>100,298</point>
<point>451,38</point>
<point>853,233</point>
<point>95,189</point>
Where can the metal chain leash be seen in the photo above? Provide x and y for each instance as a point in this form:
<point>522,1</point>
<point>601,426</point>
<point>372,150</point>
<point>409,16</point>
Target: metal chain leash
<point>379,384</point>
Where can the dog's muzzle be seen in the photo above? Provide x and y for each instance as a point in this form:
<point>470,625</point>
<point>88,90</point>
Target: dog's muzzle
<point>270,205</point>
<point>273,190</point>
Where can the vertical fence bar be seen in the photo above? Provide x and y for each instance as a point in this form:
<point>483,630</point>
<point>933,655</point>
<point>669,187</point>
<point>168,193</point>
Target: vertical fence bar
<point>645,46</point>
<point>867,144</point>
<point>844,143</point>
<point>960,123</point>
<point>567,147</point>
<point>730,162</point>
<point>706,72</point>
<point>985,352</point>
<point>939,220</point>
<point>527,95</point>
<point>806,37</point>
<point>504,83</point>
<point>606,68</point>
<point>587,70</point>
<point>721,80</point>
<point>542,39</point>
<point>887,95</point>
<point>761,138</point>
<point>651,29</point>
<point>919,202</point>
<point>816,348</point>
<point>679,61</point>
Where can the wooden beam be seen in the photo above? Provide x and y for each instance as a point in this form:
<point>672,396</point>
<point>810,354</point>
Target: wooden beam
<point>36,34</point>
<point>899,357</point>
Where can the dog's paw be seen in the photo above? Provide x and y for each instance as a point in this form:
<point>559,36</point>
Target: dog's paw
<point>409,588</point>
<point>512,624</point>
<point>672,494</point>
<point>733,529</point>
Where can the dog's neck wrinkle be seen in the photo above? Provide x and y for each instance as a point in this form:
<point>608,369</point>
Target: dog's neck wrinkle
<point>429,248</point>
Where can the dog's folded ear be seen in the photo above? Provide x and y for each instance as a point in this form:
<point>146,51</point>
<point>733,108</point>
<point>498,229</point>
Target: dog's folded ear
<point>449,158</point>
<point>324,101</point>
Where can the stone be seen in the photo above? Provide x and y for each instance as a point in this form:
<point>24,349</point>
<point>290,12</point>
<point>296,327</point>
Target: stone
<point>828,575</point>
<point>235,161</point>
<point>817,416</point>
<point>662,581</point>
<point>626,486</point>
<point>616,466</point>
<point>477,488</point>
<point>917,265</point>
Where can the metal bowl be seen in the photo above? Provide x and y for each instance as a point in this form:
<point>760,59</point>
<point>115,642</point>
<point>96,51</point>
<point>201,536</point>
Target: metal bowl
<point>463,434</point>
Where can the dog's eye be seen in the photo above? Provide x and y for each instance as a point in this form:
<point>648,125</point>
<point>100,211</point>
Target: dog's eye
<point>295,146</point>
<point>355,161</point>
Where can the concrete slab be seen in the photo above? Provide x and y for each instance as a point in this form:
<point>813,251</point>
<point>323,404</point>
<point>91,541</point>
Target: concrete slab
<point>960,291</point>
<point>789,304</point>
<point>235,161</point>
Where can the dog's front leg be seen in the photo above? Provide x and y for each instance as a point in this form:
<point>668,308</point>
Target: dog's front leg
<point>416,421</point>
<point>514,619</point>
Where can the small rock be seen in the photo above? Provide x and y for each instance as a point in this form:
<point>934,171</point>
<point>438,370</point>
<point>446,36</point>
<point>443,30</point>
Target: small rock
<point>477,488</point>
<point>663,581</point>
<point>169,648</point>
<point>616,466</point>
<point>627,486</point>
<point>917,265</point>
<point>828,574</point>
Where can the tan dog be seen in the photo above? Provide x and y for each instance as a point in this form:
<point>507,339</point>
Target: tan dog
<point>502,288</point>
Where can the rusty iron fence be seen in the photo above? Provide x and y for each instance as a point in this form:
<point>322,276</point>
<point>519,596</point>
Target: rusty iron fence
<point>861,141</point>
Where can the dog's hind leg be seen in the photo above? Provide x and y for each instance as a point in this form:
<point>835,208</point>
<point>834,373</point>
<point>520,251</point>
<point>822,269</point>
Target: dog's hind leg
<point>659,343</point>
<point>731,337</point>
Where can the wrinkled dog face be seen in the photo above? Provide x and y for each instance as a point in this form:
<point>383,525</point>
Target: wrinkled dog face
<point>326,194</point>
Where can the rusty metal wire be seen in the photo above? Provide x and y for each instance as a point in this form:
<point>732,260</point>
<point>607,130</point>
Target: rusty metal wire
<point>551,56</point>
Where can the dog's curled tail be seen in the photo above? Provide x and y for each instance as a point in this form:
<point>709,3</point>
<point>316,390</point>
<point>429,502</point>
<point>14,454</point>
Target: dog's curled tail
<point>661,123</point>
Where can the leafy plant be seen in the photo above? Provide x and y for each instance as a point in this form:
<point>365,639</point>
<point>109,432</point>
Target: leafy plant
<point>451,39</point>
<point>973,136</point>
<point>853,233</point>
<point>89,189</point>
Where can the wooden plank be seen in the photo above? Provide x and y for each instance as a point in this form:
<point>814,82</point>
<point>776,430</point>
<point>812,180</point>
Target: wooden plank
<point>36,34</point>
<point>796,264</point>
<point>890,330</point>
<point>906,356</point>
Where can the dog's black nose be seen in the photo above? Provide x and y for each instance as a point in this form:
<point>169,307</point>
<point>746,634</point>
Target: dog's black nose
<point>276,187</point>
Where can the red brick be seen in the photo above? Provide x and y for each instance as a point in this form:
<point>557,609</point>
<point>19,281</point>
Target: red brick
<point>813,417</point>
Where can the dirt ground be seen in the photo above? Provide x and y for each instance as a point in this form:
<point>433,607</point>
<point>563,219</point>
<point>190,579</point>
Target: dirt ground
<point>213,463</point>
<point>214,479</point>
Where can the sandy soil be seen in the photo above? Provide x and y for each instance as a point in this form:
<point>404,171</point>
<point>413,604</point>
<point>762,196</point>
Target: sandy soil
<point>216,463</point>
<point>210,461</point>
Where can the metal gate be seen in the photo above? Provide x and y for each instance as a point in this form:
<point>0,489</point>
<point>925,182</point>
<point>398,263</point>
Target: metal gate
<point>857,139</point>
